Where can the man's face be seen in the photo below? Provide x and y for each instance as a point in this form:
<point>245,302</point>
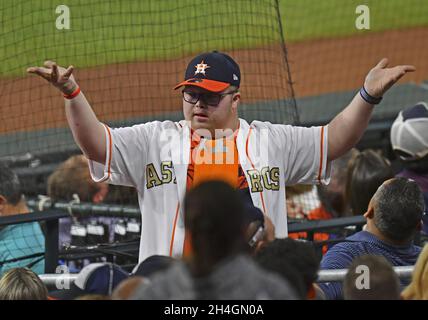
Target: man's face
<point>210,117</point>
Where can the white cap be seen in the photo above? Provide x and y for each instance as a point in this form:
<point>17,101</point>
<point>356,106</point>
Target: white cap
<point>409,132</point>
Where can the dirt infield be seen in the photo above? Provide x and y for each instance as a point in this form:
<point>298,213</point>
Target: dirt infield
<point>129,90</point>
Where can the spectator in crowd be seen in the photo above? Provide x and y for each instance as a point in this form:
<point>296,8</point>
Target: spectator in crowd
<point>94,279</point>
<point>216,267</point>
<point>141,275</point>
<point>393,217</point>
<point>153,264</point>
<point>332,196</point>
<point>127,288</point>
<point>22,284</point>
<point>301,199</point>
<point>418,288</point>
<point>332,199</point>
<point>295,260</point>
<point>371,277</point>
<point>19,243</point>
<point>366,172</point>
<point>72,178</point>
<point>409,140</point>
<point>259,228</point>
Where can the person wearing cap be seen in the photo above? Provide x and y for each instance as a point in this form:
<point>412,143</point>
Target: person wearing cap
<point>95,279</point>
<point>409,140</point>
<point>163,160</point>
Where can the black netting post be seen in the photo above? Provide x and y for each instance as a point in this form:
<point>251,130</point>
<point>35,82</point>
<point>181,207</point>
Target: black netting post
<point>51,245</point>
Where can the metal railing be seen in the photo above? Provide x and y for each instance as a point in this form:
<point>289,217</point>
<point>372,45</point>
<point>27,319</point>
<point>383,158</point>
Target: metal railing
<point>323,275</point>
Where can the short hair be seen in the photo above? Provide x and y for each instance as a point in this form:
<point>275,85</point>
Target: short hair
<point>10,187</point>
<point>22,284</point>
<point>382,281</point>
<point>72,177</point>
<point>366,172</point>
<point>300,255</point>
<point>214,216</point>
<point>398,208</point>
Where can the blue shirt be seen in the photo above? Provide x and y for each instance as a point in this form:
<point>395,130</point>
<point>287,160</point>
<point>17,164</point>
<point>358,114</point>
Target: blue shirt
<point>342,254</point>
<point>21,240</point>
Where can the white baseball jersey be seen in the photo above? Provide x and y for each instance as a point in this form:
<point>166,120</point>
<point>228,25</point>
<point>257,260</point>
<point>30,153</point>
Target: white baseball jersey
<point>153,157</point>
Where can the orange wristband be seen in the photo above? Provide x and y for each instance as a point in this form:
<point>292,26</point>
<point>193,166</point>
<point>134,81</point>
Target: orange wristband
<point>73,94</point>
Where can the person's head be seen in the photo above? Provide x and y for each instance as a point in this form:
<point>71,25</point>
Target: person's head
<point>332,196</point>
<point>94,279</point>
<point>153,264</point>
<point>211,92</point>
<point>409,137</point>
<point>395,210</point>
<point>22,284</point>
<point>11,197</point>
<point>126,289</point>
<point>380,283</point>
<point>366,172</point>
<point>418,288</point>
<point>215,222</point>
<point>283,255</point>
<point>259,227</point>
<point>73,177</point>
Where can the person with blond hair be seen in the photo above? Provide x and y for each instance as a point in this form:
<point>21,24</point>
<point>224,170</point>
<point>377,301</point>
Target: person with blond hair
<point>418,288</point>
<point>22,284</point>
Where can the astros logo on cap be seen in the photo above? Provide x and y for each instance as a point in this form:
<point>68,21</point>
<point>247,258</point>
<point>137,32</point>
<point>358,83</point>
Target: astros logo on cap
<point>200,67</point>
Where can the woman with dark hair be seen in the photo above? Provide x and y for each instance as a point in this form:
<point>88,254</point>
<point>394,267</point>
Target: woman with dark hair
<point>367,171</point>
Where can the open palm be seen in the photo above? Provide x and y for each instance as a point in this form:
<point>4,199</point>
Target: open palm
<point>381,78</point>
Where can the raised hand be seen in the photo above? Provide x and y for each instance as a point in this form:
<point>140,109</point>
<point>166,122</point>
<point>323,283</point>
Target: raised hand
<point>58,76</point>
<point>381,78</point>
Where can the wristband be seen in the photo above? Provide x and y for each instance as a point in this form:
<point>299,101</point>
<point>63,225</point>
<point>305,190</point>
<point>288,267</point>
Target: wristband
<point>73,94</point>
<point>368,98</point>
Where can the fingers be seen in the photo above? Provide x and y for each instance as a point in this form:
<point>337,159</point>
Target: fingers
<point>49,63</point>
<point>382,63</point>
<point>40,71</point>
<point>408,68</point>
<point>54,74</point>
<point>68,72</point>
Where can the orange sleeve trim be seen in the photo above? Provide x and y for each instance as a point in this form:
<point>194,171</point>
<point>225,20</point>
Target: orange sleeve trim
<point>171,245</point>
<point>109,151</point>
<point>321,155</point>
<point>252,165</point>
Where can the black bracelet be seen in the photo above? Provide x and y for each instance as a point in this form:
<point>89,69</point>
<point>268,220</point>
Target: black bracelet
<point>368,98</point>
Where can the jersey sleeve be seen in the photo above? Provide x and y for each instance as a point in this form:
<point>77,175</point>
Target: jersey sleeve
<point>305,153</point>
<point>126,156</point>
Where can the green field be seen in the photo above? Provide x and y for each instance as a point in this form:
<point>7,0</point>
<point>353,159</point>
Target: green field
<point>104,32</point>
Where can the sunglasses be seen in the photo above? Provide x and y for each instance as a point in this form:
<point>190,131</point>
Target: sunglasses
<point>211,99</point>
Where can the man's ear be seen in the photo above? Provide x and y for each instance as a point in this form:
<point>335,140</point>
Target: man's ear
<point>369,213</point>
<point>235,101</point>
<point>370,210</point>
